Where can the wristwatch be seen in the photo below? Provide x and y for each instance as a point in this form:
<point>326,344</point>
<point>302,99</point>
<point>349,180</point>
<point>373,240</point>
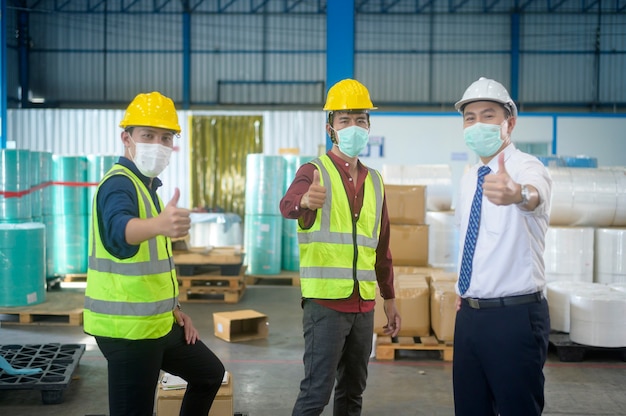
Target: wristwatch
<point>525,195</point>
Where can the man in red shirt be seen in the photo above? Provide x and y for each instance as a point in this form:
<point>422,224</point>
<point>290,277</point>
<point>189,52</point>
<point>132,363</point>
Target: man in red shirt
<point>343,234</point>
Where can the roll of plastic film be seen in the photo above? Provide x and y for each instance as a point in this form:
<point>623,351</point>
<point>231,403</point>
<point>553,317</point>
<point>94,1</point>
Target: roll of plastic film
<point>559,293</point>
<point>97,167</point>
<point>597,319</point>
<point>290,252</point>
<point>46,183</point>
<point>22,271</point>
<point>443,240</point>
<point>264,184</point>
<point>15,184</point>
<point>36,194</point>
<point>610,258</point>
<point>67,244</point>
<point>569,254</point>
<point>69,191</point>
<point>583,197</point>
<point>262,243</point>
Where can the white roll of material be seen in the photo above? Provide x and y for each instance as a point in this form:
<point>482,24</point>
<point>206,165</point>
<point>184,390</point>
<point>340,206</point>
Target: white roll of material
<point>569,254</point>
<point>583,197</point>
<point>597,319</point>
<point>610,255</point>
<point>392,174</point>
<point>443,240</point>
<point>620,209</point>
<point>558,294</point>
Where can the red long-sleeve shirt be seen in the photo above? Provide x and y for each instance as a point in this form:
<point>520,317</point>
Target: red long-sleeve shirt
<point>290,208</point>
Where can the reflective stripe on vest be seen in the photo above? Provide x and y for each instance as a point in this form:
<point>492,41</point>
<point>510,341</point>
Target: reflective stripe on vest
<point>327,268</point>
<point>129,298</point>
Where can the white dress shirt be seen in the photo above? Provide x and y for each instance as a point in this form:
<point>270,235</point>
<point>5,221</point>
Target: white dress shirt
<point>508,259</point>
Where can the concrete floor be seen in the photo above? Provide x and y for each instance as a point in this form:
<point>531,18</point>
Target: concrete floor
<point>267,372</point>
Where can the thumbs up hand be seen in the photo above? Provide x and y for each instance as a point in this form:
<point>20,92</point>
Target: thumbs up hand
<point>175,222</point>
<point>499,188</point>
<point>316,195</point>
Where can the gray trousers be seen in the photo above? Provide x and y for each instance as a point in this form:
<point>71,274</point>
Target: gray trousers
<point>336,345</point>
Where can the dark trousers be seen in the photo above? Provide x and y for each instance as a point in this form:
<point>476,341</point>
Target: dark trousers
<point>336,345</point>
<point>134,372</point>
<point>499,355</point>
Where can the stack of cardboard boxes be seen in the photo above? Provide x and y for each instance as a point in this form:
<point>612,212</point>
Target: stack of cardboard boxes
<point>425,295</point>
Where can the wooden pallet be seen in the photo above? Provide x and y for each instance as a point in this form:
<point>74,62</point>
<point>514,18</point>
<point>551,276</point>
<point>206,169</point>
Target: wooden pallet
<point>216,255</point>
<point>283,278</point>
<point>210,280</point>
<point>207,294</point>
<point>60,308</point>
<point>569,351</point>
<point>386,347</point>
<point>74,277</point>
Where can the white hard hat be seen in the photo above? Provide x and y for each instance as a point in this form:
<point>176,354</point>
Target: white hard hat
<point>486,89</point>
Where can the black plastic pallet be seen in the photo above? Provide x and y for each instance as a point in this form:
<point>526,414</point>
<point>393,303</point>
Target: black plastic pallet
<point>569,351</point>
<point>58,362</point>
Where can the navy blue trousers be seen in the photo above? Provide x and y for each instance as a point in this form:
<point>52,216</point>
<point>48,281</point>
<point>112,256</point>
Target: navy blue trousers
<point>499,355</point>
<point>336,345</point>
<point>134,368</point>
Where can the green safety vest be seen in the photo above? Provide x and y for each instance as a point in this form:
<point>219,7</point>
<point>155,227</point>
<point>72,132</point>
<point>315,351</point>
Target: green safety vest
<point>130,298</point>
<point>337,251</point>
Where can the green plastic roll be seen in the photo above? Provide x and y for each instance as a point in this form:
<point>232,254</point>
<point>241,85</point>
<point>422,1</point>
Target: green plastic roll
<point>264,184</point>
<point>22,269</point>
<point>69,190</point>
<point>290,251</point>
<point>98,166</point>
<point>66,246</point>
<point>262,241</point>
<point>46,183</point>
<point>15,184</point>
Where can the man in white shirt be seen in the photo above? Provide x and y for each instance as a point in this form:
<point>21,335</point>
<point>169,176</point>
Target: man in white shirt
<point>502,323</point>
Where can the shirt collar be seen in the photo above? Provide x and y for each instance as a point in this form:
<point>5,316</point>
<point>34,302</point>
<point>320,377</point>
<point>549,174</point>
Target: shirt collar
<point>127,163</point>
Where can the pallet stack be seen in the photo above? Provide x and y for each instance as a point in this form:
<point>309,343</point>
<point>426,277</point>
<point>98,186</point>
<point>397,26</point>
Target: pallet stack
<point>210,275</point>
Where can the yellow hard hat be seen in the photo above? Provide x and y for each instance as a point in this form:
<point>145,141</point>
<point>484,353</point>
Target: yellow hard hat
<point>348,94</point>
<point>151,110</point>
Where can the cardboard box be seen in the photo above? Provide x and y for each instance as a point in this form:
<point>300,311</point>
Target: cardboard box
<point>242,325</point>
<point>443,309</point>
<point>443,276</point>
<point>409,245</point>
<point>169,401</point>
<point>406,204</point>
<point>427,272</point>
<point>412,303</point>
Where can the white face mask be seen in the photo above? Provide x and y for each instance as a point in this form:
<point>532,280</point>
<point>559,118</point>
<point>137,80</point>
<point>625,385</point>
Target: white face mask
<point>151,158</point>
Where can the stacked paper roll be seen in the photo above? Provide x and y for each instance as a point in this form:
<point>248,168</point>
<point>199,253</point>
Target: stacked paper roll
<point>569,254</point>
<point>443,240</point>
<point>610,255</point>
<point>559,293</point>
<point>597,319</point>
<point>620,208</point>
<point>583,197</point>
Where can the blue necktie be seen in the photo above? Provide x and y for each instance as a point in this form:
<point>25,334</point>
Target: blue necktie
<point>472,232</point>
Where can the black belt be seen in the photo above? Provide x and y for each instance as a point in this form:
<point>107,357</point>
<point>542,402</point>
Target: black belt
<point>505,301</point>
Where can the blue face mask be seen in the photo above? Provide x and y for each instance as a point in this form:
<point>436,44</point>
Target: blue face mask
<point>352,140</point>
<point>484,139</point>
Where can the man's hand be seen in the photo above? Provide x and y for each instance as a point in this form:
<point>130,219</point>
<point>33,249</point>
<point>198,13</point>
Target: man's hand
<point>316,195</point>
<point>499,188</point>
<point>191,333</point>
<point>393,318</point>
<point>175,222</point>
